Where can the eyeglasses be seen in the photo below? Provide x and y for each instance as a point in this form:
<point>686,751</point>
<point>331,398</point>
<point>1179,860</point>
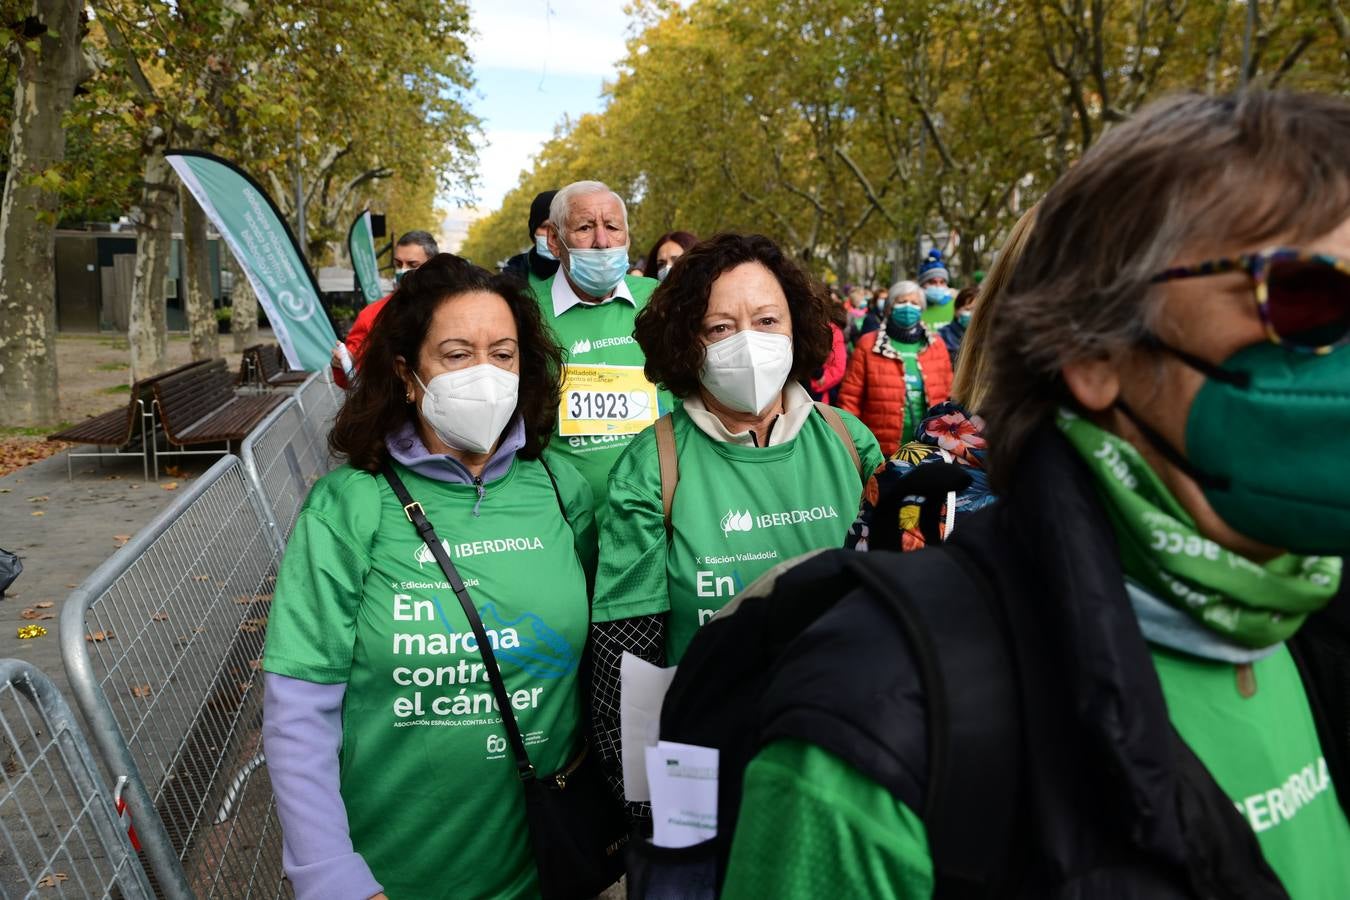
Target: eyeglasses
<point>1303,298</point>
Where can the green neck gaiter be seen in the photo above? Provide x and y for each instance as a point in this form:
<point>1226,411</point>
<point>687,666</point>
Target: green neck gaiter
<point>1256,605</point>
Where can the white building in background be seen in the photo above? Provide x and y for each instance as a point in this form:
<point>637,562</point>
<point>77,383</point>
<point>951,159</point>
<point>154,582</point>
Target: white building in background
<point>455,227</point>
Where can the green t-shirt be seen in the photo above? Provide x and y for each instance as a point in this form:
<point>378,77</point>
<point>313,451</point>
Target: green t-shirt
<point>837,835</point>
<point>1264,752</point>
<point>846,832</point>
<point>935,316</point>
<point>738,511</point>
<point>916,400</point>
<point>433,801</point>
<point>597,335</point>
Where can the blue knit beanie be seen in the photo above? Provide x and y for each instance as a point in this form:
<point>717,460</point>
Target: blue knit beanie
<point>933,267</point>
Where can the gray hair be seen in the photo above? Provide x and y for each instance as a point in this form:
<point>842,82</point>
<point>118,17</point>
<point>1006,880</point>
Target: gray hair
<point>898,291</point>
<point>1202,174</point>
<point>904,289</point>
<point>421,239</point>
<point>562,202</point>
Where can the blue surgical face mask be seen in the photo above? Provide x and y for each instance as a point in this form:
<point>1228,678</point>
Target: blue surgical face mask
<point>964,317</point>
<point>906,315</point>
<point>398,276</point>
<point>541,246</point>
<point>938,296</point>
<point>597,272</point>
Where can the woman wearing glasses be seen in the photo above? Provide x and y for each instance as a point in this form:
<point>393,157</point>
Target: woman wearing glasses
<point>1169,435</point>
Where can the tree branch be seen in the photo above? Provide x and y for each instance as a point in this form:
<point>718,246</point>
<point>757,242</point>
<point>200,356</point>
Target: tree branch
<point>866,186</point>
<point>119,43</point>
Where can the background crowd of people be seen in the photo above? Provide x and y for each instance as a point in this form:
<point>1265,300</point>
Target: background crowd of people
<point>614,448</point>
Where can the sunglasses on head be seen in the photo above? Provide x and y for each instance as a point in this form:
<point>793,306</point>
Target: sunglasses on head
<point>1303,298</point>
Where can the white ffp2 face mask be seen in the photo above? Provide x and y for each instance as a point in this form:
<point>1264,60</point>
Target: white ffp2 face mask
<point>746,372</point>
<point>468,408</point>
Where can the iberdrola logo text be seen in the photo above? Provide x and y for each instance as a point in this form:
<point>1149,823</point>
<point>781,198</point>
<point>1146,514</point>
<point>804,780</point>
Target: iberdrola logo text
<point>586,345</point>
<point>743,520</point>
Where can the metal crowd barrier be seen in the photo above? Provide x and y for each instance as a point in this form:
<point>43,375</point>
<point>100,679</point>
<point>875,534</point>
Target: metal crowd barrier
<point>321,398</point>
<point>283,457</point>
<point>163,646</point>
<point>59,829</point>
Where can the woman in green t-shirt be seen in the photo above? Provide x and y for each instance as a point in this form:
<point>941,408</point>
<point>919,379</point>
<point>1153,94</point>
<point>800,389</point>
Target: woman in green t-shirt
<point>764,474</point>
<point>386,751</point>
<point>1165,573</point>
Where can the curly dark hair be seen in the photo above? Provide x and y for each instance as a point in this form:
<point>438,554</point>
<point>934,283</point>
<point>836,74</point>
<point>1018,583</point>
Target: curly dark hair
<point>668,329</point>
<point>377,405</point>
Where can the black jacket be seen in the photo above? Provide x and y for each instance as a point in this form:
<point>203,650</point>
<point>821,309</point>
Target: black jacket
<point>522,264</point>
<point>1112,803</point>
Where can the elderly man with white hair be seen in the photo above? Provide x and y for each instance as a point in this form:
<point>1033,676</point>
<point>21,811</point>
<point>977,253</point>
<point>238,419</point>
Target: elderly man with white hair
<point>590,304</point>
<point>898,371</point>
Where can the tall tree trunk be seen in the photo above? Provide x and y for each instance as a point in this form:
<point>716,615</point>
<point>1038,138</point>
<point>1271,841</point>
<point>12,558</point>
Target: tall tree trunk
<point>243,309</point>
<point>197,301</point>
<point>45,84</point>
<point>148,330</point>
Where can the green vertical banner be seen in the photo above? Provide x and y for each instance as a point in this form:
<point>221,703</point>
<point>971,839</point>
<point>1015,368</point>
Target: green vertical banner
<point>249,222</point>
<point>361,248</point>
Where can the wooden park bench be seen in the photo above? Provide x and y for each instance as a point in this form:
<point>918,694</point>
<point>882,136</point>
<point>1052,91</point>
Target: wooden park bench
<point>265,365</point>
<point>129,430</point>
<point>200,406</point>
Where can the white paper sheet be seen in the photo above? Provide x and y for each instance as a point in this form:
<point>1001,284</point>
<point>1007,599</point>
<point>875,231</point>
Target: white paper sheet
<point>683,781</point>
<point>642,690</point>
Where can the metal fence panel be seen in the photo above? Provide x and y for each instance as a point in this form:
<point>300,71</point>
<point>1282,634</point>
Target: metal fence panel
<point>283,458</point>
<point>59,830</point>
<point>163,645</point>
<point>321,398</point>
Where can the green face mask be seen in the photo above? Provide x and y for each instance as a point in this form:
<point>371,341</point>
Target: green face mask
<point>1268,440</point>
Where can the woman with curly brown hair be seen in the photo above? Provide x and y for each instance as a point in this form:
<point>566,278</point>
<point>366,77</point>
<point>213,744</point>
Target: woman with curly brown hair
<point>368,653</point>
<point>747,472</point>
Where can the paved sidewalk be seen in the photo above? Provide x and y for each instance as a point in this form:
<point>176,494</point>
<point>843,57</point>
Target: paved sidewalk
<point>83,521</point>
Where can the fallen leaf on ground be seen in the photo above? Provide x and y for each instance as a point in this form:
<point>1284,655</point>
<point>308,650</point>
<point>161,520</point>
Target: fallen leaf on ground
<point>47,604</point>
<point>30,614</point>
<point>201,577</point>
<point>140,690</point>
<point>112,477</point>
<point>52,880</point>
<point>42,499</point>
<point>173,471</point>
<point>255,664</point>
<point>38,512</point>
<point>160,616</point>
<point>95,637</point>
<point>121,539</point>
<point>19,451</point>
<point>170,486</point>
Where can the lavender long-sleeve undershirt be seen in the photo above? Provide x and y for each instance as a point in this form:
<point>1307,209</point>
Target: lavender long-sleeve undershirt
<point>302,734</point>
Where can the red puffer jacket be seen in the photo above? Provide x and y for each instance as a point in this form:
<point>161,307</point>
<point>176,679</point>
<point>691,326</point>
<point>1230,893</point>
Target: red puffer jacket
<point>874,386</point>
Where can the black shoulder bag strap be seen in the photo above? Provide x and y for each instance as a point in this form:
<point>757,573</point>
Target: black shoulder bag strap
<point>948,610</point>
<point>413,510</point>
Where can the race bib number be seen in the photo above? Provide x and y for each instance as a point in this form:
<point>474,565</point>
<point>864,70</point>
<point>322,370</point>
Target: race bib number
<point>606,400</point>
